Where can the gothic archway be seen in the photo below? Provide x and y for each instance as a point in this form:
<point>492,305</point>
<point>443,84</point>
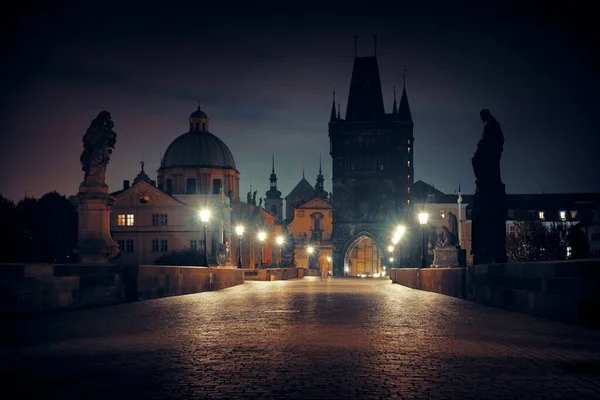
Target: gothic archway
<point>363,256</point>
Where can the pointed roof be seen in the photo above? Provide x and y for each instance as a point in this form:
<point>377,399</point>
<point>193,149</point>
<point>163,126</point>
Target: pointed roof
<point>302,188</point>
<point>404,109</point>
<point>395,108</point>
<point>332,118</point>
<point>316,203</point>
<point>365,100</point>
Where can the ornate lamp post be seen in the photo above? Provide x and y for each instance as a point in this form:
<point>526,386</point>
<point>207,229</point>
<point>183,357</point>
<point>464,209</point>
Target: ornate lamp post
<point>423,221</point>
<point>204,217</point>
<point>240,231</point>
<point>262,236</point>
<point>329,265</point>
<point>310,250</point>
<point>279,241</point>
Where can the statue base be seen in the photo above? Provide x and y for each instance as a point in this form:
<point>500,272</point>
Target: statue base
<point>449,257</point>
<point>488,226</point>
<point>95,245</point>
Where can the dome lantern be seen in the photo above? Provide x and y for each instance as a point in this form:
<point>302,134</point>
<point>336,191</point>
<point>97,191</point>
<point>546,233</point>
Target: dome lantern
<point>199,121</point>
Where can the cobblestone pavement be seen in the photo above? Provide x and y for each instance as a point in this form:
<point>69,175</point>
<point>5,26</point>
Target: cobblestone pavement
<point>345,338</point>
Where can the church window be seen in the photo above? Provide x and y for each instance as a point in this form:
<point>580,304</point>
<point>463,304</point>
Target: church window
<point>216,186</point>
<point>154,245</point>
<point>164,245</point>
<point>193,244</point>
<point>191,186</point>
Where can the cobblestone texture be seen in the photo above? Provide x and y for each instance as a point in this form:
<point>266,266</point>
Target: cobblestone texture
<point>345,338</point>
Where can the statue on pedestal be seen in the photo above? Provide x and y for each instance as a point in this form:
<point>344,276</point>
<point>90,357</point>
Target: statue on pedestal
<point>489,201</point>
<point>447,251</point>
<point>98,142</point>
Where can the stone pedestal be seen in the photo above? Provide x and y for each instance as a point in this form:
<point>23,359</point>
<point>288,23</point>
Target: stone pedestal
<point>95,245</point>
<point>489,225</point>
<point>449,257</point>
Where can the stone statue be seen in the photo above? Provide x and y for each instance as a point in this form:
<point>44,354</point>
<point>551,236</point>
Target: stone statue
<point>452,223</point>
<point>449,236</point>
<point>98,142</point>
<point>248,198</point>
<point>486,161</point>
<point>254,197</point>
<point>260,202</point>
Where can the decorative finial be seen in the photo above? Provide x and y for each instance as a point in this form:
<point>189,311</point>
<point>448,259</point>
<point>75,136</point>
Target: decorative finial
<point>355,46</point>
<point>142,164</point>
<point>302,171</point>
<point>375,44</point>
<point>198,105</point>
<point>404,77</point>
<point>273,162</point>
<point>320,171</point>
<point>338,109</point>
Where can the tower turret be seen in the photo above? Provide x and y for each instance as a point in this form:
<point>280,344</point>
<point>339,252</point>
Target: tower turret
<point>273,201</point>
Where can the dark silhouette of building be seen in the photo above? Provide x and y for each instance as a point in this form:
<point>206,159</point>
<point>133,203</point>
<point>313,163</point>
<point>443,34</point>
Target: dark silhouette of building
<point>372,154</point>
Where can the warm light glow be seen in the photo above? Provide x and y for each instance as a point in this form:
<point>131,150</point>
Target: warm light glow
<point>395,240</point>
<point>204,215</point>
<point>563,215</point>
<point>310,249</point>
<point>346,269</point>
<point>541,214</point>
<point>279,240</point>
<point>262,236</point>
<point>390,248</point>
<point>328,259</point>
<point>391,260</point>
<point>239,230</point>
<point>423,218</point>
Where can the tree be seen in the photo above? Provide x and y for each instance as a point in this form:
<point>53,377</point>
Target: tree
<point>532,241</point>
<point>8,230</point>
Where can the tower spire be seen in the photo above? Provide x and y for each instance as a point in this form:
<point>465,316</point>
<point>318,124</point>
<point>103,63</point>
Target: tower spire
<point>404,109</point>
<point>273,170</point>
<point>319,187</point>
<point>273,193</point>
<point>333,107</point>
<point>355,46</point>
<point>338,116</point>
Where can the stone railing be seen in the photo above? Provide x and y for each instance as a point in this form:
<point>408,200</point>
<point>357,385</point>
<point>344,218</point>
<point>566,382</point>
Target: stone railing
<point>448,281</point>
<point>273,274</point>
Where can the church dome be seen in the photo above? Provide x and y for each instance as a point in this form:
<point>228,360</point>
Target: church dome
<point>198,149</point>
<point>199,114</point>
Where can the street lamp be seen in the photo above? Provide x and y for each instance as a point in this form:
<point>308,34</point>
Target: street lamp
<point>329,265</point>
<point>279,241</point>
<point>262,236</point>
<point>423,221</point>
<point>310,250</point>
<point>240,231</point>
<point>204,217</point>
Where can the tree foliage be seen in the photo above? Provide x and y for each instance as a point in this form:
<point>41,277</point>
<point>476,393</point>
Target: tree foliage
<point>38,230</point>
<point>533,241</point>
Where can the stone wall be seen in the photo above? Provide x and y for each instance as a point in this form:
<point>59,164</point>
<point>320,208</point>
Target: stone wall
<point>30,288</point>
<point>27,288</point>
<point>448,281</point>
<point>563,290</point>
<point>273,274</point>
<point>154,281</point>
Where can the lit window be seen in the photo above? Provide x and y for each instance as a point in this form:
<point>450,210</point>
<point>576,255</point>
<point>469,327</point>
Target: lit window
<point>408,164</point>
<point>408,201</point>
<point>129,221</point>
<point>408,177</point>
<point>443,213</point>
<point>573,214</point>
<point>408,141</point>
<point>563,215</point>
<point>408,189</point>
<point>408,149</point>
<point>541,214</point>
<point>121,220</point>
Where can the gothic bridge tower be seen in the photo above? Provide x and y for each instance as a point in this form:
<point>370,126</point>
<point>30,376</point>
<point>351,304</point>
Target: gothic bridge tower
<point>372,154</point>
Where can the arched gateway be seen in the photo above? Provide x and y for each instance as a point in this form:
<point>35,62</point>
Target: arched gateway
<point>363,256</point>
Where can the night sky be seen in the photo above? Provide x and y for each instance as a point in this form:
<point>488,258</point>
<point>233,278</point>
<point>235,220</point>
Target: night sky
<point>264,75</point>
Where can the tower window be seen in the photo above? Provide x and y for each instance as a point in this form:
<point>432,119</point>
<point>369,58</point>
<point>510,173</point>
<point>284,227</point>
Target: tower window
<point>408,149</point>
<point>216,186</point>
<point>408,164</point>
<point>541,215</point>
<point>563,215</point>
<point>204,126</point>
<point>197,126</point>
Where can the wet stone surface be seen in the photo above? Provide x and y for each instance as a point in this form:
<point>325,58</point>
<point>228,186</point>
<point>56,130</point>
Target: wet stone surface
<point>345,338</point>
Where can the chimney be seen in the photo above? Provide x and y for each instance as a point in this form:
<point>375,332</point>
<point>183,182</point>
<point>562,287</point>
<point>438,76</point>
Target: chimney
<point>125,184</point>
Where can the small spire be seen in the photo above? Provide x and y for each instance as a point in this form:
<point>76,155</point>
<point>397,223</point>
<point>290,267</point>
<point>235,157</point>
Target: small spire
<point>395,108</point>
<point>302,171</point>
<point>198,105</point>
<point>355,46</point>
<point>332,118</point>
<point>142,164</point>
<point>320,171</point>
<point>273,162</point>
<point>404,77</point>
<point>375,44</point>
<point>338,116</point>
<point>458,186</point>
